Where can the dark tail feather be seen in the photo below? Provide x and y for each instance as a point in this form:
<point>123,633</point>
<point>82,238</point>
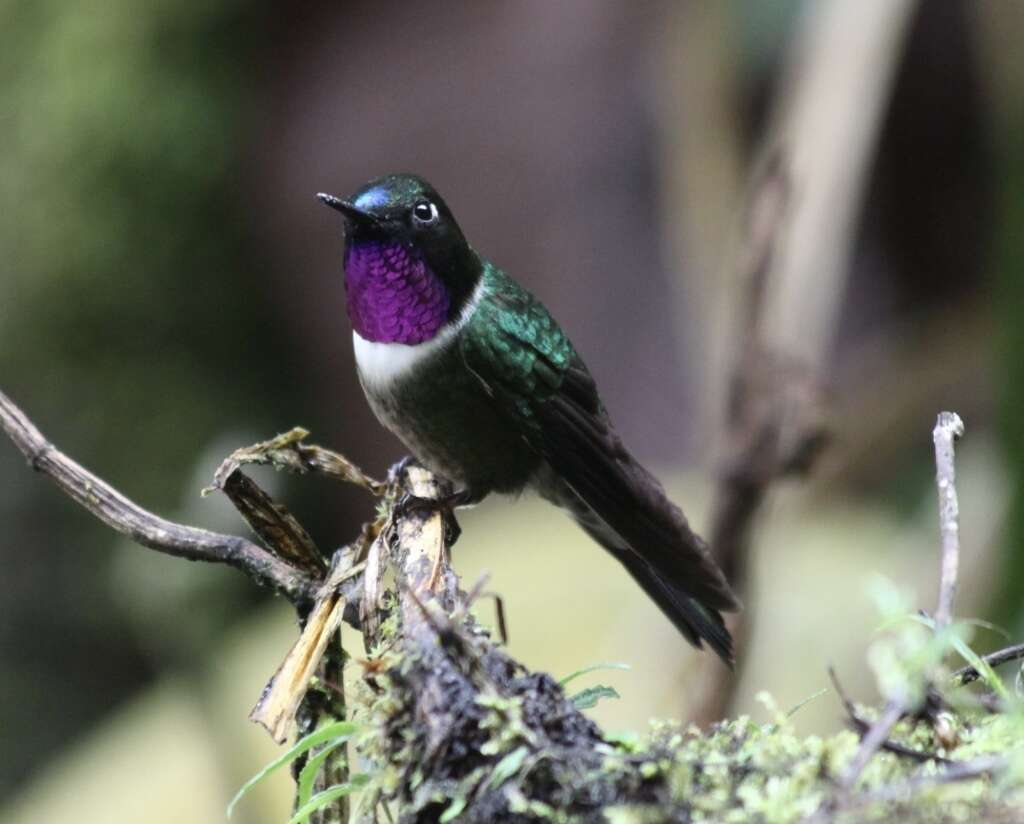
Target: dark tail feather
<point>590,472</point>
<point>694,620</point>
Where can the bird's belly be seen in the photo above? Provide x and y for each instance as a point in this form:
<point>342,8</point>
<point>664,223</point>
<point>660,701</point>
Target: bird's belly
<point>441,413</point>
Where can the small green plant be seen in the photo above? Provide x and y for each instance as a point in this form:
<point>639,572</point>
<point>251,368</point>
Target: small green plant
<point>328,796</point>
<point>588,698</point>
<point>329,738</point>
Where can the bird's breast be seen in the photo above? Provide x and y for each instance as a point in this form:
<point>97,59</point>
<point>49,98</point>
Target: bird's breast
<point>440,410</point>
<point>383,365</point>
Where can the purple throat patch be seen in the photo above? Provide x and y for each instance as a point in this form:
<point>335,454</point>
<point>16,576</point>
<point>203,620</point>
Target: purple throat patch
<point>392,296</point>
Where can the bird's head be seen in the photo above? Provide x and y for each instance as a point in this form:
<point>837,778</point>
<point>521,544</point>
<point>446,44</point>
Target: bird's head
<point>408,267</point>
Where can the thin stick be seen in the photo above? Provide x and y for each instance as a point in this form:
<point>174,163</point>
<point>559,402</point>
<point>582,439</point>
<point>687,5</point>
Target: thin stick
<point>863,727</point>
<point>968,674</point>
<point>874,738</point>
<point>948,428</point>
<point>142,526</point>
<point>963,771</point>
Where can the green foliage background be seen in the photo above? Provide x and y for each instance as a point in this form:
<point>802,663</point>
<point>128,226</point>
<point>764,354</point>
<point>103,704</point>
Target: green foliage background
<point>130,319</point>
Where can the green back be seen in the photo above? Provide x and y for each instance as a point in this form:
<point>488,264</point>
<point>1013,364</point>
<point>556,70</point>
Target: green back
<point>516,349</point>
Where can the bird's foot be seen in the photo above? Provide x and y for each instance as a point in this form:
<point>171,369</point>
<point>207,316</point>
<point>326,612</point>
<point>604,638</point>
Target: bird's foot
<point>398,471</point>
<point>413,504</point>
<point>448,503</point>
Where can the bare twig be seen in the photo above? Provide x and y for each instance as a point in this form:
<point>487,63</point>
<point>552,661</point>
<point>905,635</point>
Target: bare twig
<point>863,727</point>
<point>876,736</point>
<point>905,790</point>
<point>499,612</point>
<point>871,741</point>
<point>963,771</point>
<point>142,526</point>
<point>969,674</point>
<point>948,428</point>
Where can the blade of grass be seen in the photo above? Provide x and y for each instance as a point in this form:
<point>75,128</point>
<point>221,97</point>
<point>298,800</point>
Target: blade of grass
<point>307,777</point>
<point>593,668</point>
<point>337,729</point>
<point>322,799</point>
<point>988,675</point>
<point>801,704</point>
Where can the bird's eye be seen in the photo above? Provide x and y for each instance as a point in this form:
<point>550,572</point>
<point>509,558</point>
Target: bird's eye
<point>424,213</point>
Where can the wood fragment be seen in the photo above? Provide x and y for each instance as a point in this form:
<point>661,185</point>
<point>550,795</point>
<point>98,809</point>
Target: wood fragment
<point>276,527</point>
<point>288,452</point>
<point>279,702</point>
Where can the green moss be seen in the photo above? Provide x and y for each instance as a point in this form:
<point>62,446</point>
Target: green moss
<point>737,771</point>
<point>504,723</point>
<point>464,733</point>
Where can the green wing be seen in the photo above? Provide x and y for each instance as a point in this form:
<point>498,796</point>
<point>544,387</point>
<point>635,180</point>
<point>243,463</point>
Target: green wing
<point>517,351</point>
<point>529,368</point>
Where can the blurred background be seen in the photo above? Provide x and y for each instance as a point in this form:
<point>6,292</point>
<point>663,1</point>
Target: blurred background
<point>171,290</point>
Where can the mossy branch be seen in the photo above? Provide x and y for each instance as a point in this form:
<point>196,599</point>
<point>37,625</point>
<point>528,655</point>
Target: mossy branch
<point>456,729</point>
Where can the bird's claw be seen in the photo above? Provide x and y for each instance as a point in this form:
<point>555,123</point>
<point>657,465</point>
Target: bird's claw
<point>410,504</point>
<point>399,470</point>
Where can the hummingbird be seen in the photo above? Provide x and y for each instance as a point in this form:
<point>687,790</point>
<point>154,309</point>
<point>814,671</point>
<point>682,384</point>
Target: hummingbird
<point>480,383</point>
